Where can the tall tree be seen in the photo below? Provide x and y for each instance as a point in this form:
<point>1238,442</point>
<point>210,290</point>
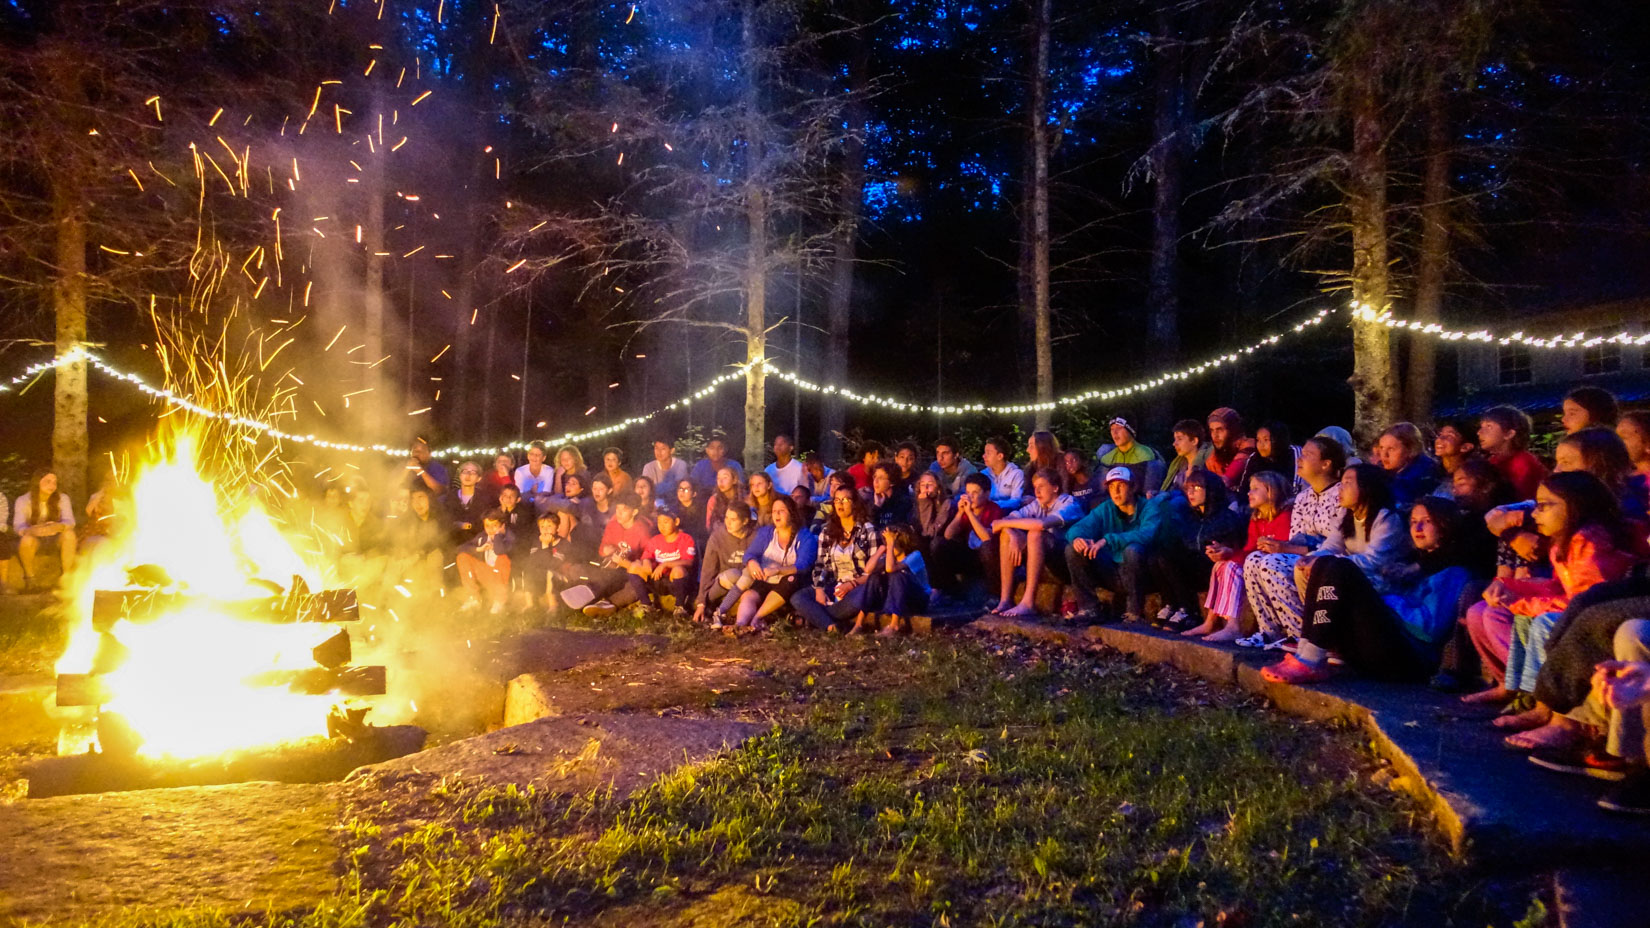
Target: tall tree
<point>1040,312</point>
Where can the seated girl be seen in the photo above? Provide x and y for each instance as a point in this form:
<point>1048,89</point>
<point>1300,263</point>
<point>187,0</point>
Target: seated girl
<point>1394,635</point>
<point>596,510</point>
<point>1589,543</point>
<point>722,564</point>
<point>647,496</point>
<point>847,548</point>
<point>761,496</point>
<point>1269,514</point>
<point>932,509</point>
<point>43,519</point>
<point>1180,563</point>
<point>726,494</point>
<point>778,559</point>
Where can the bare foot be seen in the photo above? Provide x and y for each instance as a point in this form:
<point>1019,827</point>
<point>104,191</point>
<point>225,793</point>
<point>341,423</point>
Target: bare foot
<point>859,627</point>
<point>891,629</point>
<point>1002,607</point>
<point>1494,696</point>
<point>1208,626</point>
<point>1021,611</point>
<point>1228,633</point>
<point>1557,735</point>
<point>1524,721</point>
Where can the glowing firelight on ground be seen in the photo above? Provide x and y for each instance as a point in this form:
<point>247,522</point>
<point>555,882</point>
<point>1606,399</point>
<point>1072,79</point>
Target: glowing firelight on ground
<point>182,684</point>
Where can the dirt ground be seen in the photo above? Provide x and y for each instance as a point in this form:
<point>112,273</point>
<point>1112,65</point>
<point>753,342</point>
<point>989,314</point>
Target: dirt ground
<point>275,846</point>
<point>247,846</point>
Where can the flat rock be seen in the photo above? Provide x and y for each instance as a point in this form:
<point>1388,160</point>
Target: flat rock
<point>247,846</point>
<point>568,755</point>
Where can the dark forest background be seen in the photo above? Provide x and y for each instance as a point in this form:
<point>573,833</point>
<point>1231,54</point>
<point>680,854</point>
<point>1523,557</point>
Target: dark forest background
<point>481,222</point>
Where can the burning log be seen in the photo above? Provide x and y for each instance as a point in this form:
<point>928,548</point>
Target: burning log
<point>110,606</point>
<point>90,689</point>
<point>323,681</point>
<point>316,760</point>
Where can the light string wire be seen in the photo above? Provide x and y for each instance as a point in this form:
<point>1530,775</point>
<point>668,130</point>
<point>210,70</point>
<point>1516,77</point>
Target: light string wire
<point>1359,312</point>
<point>1363,312</point>
<point>737,372</point>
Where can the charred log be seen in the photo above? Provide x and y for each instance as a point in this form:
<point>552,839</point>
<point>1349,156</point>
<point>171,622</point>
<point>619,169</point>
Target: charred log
<point>315,760</point>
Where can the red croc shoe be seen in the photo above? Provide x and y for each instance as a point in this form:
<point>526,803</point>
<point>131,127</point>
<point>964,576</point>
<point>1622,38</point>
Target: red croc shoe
<point>1296,671</point>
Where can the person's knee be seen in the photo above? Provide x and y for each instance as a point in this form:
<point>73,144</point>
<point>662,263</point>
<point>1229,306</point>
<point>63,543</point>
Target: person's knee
<point>1632,641</point>
<point>1135,556</point>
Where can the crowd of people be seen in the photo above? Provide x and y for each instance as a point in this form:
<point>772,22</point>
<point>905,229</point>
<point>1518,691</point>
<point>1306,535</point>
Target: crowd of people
<point>1453,555</point>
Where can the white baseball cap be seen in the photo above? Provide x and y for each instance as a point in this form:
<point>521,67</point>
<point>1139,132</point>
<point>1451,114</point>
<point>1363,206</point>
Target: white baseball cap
<point>1120,473</point>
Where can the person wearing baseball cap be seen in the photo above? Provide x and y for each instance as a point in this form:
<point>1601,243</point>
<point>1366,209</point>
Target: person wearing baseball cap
<point>1032,536</point>
<point>1111,546</point>
<point>1146,466</point>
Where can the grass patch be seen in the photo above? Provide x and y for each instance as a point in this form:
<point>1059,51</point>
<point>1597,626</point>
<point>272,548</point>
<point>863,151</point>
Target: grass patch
<point>982,790</point>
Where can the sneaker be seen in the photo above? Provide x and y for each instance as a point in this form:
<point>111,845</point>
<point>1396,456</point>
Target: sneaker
<point>716,620</point>
<point>1576,762</point>
<point>1257,640</point>
<point>600,609</point>
<point>470,605</point>
<point>577,597</point>
<point>678,613</point>
<point>497,609</point>
<point>1164,614</point>
<point>1629,797</point>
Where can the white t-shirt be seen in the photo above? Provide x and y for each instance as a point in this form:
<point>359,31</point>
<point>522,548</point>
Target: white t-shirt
<point>532,487</point>
<point>786,478</point>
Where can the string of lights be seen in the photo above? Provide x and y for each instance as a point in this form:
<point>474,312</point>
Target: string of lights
<point>1367,313</point>
<point>260,427</point>
<point>1578,340</point>
<point>736,373</point>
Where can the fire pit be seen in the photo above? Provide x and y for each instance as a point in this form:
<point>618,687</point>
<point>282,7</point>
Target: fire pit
<point>188,666</point>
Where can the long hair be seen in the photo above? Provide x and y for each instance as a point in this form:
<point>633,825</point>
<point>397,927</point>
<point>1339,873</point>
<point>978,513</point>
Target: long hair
<point>1587,501</point>
<point>1447,516</point>
<point>1045,451</point>
<point>835,532</point>
<point>797,528</point>
<point>39,511</point>
<point>578,458</point>
<point>1276,484</point>
<point>1374,494</point>
<point>1603,454</point>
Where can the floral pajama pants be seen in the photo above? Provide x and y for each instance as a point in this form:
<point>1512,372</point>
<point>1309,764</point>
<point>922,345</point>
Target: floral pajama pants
<point>1269,581</point>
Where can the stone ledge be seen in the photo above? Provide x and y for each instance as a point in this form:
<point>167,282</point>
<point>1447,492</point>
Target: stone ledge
<point>1490,802</point>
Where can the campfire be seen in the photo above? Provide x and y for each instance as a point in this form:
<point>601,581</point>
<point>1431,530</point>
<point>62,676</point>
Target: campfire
<point>208,649</point>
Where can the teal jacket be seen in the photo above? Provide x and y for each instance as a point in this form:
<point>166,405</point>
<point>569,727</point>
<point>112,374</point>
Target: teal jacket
<point>1120,531</point>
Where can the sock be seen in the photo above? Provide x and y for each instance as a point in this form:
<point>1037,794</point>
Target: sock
<point>1309,653</point>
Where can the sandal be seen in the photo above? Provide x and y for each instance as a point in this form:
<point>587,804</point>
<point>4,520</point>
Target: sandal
<point>1294,671</point>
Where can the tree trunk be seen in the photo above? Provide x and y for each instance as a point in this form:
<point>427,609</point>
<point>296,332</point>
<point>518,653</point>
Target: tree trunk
<point>1043,323</point>
<point>756,254</point>
<point>1168,165</point>
<point>756,337</point>
<point>69,441</point>
<point>839,304</point>
<point>1374,376</point>
<point>1434,257</point>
